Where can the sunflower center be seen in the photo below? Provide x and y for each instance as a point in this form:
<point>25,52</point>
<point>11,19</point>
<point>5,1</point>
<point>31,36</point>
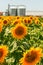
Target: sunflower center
<point>25,21</point>
<point>5,21</point>
<point>30,17</point>
<point>1,52</point>
<point>30,57</point>
<point>19,30</point>
<point>17,17</point>
<point>29,21</point>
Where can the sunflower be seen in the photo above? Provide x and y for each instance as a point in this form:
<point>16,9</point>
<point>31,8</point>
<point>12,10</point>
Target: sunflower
<point>31,17</point>
<point>3,53</point>
<point>37,21</point>
<point>31,57</point>
<point>35,18</point>
<point>29,21</point>
<point>5,21</point>
<point>19,31</point>
<point>14,22</point>
<point>25,20</point>
<point>18,17</point>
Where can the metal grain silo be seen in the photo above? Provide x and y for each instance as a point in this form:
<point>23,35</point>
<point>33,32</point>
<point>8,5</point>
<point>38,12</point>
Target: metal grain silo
<point>13,10</point>
<point>21,10</point>
<point>16,10</point>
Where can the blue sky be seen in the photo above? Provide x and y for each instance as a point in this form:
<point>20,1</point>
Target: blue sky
<point>33,5</point>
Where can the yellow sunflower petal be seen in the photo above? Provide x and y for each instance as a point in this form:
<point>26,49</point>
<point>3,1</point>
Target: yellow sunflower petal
<point>1,25</point>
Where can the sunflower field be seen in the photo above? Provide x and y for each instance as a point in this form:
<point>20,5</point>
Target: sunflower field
<point>21,40</point>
